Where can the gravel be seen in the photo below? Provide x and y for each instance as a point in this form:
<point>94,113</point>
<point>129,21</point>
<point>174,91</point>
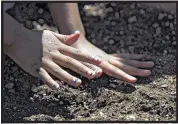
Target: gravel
<point>152,98</point>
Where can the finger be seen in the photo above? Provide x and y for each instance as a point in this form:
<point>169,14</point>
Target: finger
<point>80,55</point>
<point>61,74</point>
<point>68,39</point>
<point>74,65</point>
<point>132,56</point>
<point>46,78</point>
<point>129,69</point>
<point>97,70</point>
<point>113,71</point>
<point>135,63</point>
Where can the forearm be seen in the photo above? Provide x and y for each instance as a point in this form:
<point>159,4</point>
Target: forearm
<point>67,17</point>
<point>10,30</point>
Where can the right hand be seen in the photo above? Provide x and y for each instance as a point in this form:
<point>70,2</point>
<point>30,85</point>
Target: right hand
<point>42,52</point>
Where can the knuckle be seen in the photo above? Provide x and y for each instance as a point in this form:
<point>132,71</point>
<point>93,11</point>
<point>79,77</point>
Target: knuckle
<point>77,52</point>
<point>68,60</point>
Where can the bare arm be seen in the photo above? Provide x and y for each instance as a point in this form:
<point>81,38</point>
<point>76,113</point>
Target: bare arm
<point>69,20</point>
<point>10,30</point>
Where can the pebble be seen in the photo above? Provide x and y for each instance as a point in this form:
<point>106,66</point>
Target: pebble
<point>173,38</point>
<point>170,16</point>
<point>132,6</point>
<point>40,11</point>
<point>28,24</point>
<point>117,15</point>
<point>113,23</point>
<point>113,4</point>
<point>131,49</point>
<point>167,37</point>
<point>174,43</point>
<point>173,93</point>
<point>160,16</point>
<point>158,31</point>
<point>165,52</point>
<point>41,21</point>
<point>122,50</point>
<point>173,32</point>
<point>171,26</point>
<point>110,9</point>
<point>35,23</point>
<point>167,24</point>
<point>163,41</point>
<point>164,86</point>
<point>9,85</point>
<point>14,69</point>
<point>112,85</point>
<point>34,89</point>
<point>155,25</point>
<point>142,12</point>
<point>121,32</point>
<point>111,41</point>
<point>131,117</point>
<point>132,19</point>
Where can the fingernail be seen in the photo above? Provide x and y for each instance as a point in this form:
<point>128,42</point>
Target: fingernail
<point>55,86</point>
<point>96,58</point>
<point>76,32</point>
<point>76,80</point>
<point>90,73</point>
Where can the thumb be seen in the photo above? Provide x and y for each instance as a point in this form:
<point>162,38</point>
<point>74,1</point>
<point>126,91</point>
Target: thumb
<point>68,39</point>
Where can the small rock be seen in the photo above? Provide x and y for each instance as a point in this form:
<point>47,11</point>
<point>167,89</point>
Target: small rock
<point>112,85</point>
<point>34,89</point>
<point>164,86</point>
<point>131,117</point>
<point>165,52</point>
<point>131,49</point>
<point>110,9</point>
<point>11,78</point>
<point>9,85</point>
<point>155,25</point>
<point>173,38</point>
<point>122,50</point>
<point>173,32</point>
<point>113,23</point>
<point>173,93</point>
<point>14,69</point>
<point>132,6</point>
<point>41,21</point>
<point>170,16</point>
<point>117,15</point>
<point>113,4</point>
<point>28,24</point>
<point>132,19</point>
<point>163,41</point>
<point>111,42</point>
<point>167,24</point>
<point>121,32</point>
<point>160,16</point>
<point>142,12</point>
<point>167,37</point>
<point>171,26</point>
<point>40,11</point>
<point>11,90</point>
<point>158,31</point>
<point>174,43</point>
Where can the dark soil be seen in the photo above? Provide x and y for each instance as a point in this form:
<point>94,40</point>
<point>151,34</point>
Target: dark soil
<point>109,27</point>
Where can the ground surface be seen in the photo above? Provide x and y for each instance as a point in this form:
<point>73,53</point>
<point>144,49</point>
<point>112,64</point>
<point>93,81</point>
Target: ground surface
<point>113,30</point>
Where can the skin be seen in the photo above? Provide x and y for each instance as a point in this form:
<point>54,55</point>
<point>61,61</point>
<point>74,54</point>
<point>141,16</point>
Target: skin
<point>121,66</point>
<point>41,53</point>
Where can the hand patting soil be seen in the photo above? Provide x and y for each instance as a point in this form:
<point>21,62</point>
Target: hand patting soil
<point>113,27</point>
